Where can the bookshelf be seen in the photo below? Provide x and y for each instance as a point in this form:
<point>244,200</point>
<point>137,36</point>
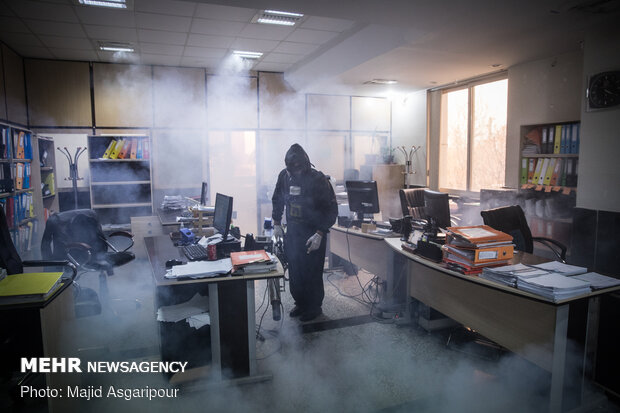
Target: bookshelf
<point>548,177</point>
<point>47,174</point>
<point>16,186</point>
<point>120,177</point>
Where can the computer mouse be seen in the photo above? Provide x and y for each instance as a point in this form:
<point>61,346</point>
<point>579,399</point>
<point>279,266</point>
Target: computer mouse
<point>172,262</point>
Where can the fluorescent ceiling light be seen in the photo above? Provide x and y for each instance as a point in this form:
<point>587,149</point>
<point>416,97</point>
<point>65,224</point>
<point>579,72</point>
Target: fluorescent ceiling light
<point>247,55</point>
<point>118,4</point>
<point>116,47</point>
<point>381,82</point>
<point>282,18</point>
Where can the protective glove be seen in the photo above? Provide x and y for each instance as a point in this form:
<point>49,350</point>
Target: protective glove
<point>278,232</point>
<point>314,242</point>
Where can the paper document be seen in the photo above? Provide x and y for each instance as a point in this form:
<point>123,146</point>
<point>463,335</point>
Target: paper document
<point>598,281</point>
<point>173,313</point>
<point>561,268</point>
<point>200,269</point>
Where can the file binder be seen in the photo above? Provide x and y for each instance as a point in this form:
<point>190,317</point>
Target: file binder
<point>524,166</point>
<point>126,151</point>
<point>539,165</point>
<point>574,148</point>
<point>549,171</point>
<point>530,171</point>
<point>556,172</point>
<point>19,147</point>
<point>117,149</point>
<point>543,171</point>
<point>19,176</point>
<point>109,150</point>
<point>30,285</point>
<point>134,148</point>
<point>559,136</point>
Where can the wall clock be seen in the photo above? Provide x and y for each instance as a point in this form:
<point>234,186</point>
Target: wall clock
<point>604,90</point>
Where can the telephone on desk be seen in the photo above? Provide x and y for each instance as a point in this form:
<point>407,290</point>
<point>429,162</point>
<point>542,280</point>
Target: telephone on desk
<point>426,240</point>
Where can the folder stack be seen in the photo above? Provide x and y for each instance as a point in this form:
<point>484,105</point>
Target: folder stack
<point>253,262</point>
<point>470,249</point>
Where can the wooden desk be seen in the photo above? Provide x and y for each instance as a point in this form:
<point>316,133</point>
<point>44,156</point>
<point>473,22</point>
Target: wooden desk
<point>231,308</point>
<point>44,328</point>
<point>527,324</point>
<point>370,252</point>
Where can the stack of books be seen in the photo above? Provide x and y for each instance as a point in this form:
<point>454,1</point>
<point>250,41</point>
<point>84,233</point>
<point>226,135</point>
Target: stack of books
<point>253,262</point>
<point>470,249</point>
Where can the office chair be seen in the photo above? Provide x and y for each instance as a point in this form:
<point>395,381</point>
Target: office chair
<point>78,236</point>
<point>412,202</point>
<point>511,220</point>
<point>14,341</point>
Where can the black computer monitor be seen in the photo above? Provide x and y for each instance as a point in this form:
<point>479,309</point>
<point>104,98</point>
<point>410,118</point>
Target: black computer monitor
<point>204,194</point>
<point>363,197</point>
<point>437,206</point>
<point>222,214</point>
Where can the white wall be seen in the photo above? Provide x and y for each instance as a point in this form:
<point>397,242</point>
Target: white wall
<point>409,129</point>
<point>599,151</point>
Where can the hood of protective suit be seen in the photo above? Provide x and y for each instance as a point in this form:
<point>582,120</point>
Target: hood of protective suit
<point>297,159</point>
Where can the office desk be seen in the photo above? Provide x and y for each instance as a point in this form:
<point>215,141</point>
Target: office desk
<point>45,331</point>
<point>231,307</point>
<point>369,251</point>
<point>528,325</point>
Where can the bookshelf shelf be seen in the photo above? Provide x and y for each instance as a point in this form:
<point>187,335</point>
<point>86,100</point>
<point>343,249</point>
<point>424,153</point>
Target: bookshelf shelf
<point>120,177</point>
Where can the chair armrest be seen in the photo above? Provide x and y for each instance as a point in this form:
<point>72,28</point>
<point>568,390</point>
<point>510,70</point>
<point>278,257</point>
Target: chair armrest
<point>52,263</point>
<point>122,234</point>
<point>553,245</point>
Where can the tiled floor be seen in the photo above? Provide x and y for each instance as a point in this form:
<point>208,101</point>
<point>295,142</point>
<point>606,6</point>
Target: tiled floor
<point>345,361</point>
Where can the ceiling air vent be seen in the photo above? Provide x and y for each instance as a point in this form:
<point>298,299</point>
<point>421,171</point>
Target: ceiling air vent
<point>281,18</point>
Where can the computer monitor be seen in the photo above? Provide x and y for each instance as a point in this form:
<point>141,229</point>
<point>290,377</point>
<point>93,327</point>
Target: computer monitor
<point>363,197</point>
<point>204,194</point>
<point>222,214</point>
<point>437,206</point>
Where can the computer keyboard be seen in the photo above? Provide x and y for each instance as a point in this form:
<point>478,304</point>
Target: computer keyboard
<point>195,252</point>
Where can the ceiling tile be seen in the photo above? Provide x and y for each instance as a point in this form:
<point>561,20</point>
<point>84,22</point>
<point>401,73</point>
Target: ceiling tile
<point>67,54</point>
<point>117,34</point>
<point>56,28</point>
<point>66,42</point>
<point>156,59</point>
<point>43,11</point>
<point>266,31</point>
<point>163,22</point>
<point>24,39</point>
<point>281,58</point>
<point>271,67</point>
<point>215,11</point>
<point>254,45</point>
<point>326,23</point>
<point>101,16</point>
<point>200,62</point>
<point>204,52</point>
<point>159,36</point>
<point>203,40</point>
<point>295,48</point>
<point>161,49</point>
<point>12,24</point>
<point>311,36</point>
<point>168,7</point>
<point>33,51</point>
<point>218,27</point>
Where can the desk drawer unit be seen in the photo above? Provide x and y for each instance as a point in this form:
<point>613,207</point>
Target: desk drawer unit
<point>141,227</point>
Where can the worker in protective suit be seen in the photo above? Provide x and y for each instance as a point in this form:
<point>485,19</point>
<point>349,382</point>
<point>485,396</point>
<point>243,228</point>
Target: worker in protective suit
<point>311,209</point>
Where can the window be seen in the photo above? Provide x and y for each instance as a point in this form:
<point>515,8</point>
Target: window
<point>472,152</point>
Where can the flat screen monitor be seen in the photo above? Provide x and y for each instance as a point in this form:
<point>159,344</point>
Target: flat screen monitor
<point>363,197</point>
<point>222,214</point>
<point>204,194</point>
<point>437,207</point>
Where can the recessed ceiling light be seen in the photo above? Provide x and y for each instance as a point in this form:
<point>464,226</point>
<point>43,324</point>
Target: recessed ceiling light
<point>117,4</point>
<point>282,18</point>
<point>116,47</point>
<point>247,55</point>
<point>381,82</point>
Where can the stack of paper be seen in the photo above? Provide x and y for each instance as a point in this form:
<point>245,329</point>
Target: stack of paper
<point>598,281</point>
<point>561,268</point>
<point>195,312</point>
<point>200,269</point>
<point>554,286</point>
<point>253,262</point>
<point>173,202</point>
<point>470,249</point>
<point>508,274</point>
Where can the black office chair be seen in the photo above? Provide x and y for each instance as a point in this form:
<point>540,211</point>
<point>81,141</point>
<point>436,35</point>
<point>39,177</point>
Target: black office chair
<point>412,202</point>
<point>511,220</point>
<point>78,236</point>
<point>14,341</point>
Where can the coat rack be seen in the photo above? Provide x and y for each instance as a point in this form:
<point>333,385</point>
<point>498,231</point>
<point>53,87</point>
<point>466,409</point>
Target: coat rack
<point>73,170</point>
<point>408,161</point>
